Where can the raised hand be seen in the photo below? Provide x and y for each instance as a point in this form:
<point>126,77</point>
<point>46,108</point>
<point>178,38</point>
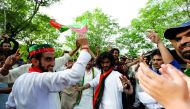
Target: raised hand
<point>126,84</point>
<point>153,36</point>
<point>11,60</point>
<point>77,44</point>
<point>169,89</point>
<point>83,41</point>
<point>4,37</point>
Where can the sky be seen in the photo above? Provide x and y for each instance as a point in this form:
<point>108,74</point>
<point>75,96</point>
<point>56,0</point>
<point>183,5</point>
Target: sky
<point>123,10</point>
<point>66,11</point>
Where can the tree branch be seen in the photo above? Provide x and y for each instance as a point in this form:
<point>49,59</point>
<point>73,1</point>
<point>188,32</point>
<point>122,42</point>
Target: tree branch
<point>28,21</point>
<point>187,8</point>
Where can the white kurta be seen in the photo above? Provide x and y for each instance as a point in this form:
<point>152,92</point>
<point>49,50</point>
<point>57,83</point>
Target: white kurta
<point>112,96</point>
<point>148,101</point>
<point>38,90</point>
<point>87,95</point>
<point>16,72</point>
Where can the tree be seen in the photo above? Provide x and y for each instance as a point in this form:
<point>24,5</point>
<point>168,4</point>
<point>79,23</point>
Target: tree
<point>21,19</point>
<point>157,15</point>
<point>101,28</point>
<point>17,15</point>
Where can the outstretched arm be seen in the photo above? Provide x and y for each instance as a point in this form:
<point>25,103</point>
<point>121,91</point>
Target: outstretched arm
<point>58,81</point>
<point>166,55</point>
<point>71,53</point>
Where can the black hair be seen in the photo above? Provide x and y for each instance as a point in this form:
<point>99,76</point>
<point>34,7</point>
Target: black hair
<point>103,56</point>
<point>5,42</point>
<point>28,57</point>
<point>36,56</point>
<point>114,49</point>
<point>155,52</point>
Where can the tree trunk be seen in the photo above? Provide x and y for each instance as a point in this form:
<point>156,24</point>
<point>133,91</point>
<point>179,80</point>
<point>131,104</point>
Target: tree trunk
<point>5,21</point>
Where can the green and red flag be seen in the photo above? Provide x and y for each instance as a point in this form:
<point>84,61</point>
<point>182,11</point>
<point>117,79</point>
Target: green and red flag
<point>79,28</point>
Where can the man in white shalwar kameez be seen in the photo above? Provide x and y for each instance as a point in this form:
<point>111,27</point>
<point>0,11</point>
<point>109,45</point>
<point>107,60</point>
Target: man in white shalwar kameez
<point>85,99</point>
<point>38,90</point>
<point>16,72</point>
<point>112,83</point>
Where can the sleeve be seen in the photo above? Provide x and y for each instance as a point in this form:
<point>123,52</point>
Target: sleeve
<point>95,81</point>
<point>61,61</point>
<point>10,104</point>
<point>119,84</point>
<point>96,71</point>
<point>55,82</point>
<point>175,64</point>
<point>16,45</point>
<point>15,73</point>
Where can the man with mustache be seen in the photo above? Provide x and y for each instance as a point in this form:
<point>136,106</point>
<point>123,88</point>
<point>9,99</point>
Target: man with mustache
<point>13,74</point>
<point>172,89</point>
<point>39,90</point>
<point>85,98</point>
<point>109,84</point>
<point>179,38</point>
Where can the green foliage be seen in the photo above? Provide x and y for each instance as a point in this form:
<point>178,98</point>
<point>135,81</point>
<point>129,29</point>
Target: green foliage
<point>101,28</point>
<point>157,15</point>
<point>16,15</point>
<point>21,19</point>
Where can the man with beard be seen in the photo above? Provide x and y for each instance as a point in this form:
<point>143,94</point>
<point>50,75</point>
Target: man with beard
<point>109,84</point>
<point>85,98</point>
<point>6,45</point>
<point>127,100</point>
<point>161,55</point>
<point>179,38</point>
<point>38,90</point>
<point>172,88</point>
<point>13,74</point>
<point>120,67</point>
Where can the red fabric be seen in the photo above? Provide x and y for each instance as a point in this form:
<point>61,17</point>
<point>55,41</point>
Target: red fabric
<point>35,69</point>
<point>55,24</point>
<point>41,51</point>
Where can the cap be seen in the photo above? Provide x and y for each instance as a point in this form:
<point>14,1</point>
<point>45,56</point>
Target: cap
<point>172,32</point>
<point>35,49</point>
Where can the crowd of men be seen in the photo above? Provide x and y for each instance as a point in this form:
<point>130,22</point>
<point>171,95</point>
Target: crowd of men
<point>103,81</point>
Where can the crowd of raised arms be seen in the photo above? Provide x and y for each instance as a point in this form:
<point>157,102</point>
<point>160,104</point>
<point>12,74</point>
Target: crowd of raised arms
<point>158,79</point>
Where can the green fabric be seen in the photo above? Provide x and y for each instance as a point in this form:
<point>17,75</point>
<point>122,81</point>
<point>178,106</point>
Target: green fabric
<point>63,29</point>
<point>187,72</point>
<point>100,89</point>
<point>80,92</point>
<point>37,47</point>
<point>100,95</point>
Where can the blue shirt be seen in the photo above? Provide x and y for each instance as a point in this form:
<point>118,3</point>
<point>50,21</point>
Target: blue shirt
<point>3,97</point>
<point>174,63</point>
